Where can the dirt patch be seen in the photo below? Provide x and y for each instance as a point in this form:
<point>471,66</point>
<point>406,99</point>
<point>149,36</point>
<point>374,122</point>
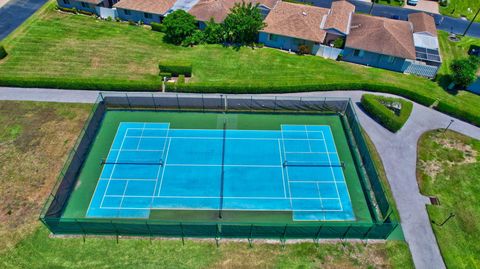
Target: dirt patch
<point>469,154</point>
<point>31,160</point>
<point>431,168</point>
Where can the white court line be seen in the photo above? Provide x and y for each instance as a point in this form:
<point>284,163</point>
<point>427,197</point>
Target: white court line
<point>219,165</point>
<point>113,168</point>
<point>221,138</point>
<point>164,166</point>
<point>139,150</point>
<point>141,135</point>
<point>216,197</point>
<point>308,141</point>
<point>311,181</point>
<point>319,195</point>
<point>161,167</point>
<point>283,176</point>
<point>123,195</point>
<point>125,179</point>
<point>333,174</point>
<point>286,169</point>
<point>312,152</point>
<point>216,209</point>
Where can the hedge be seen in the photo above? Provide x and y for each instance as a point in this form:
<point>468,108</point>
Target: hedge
<point>181,79</point>
<point>66,9</point>
<point>386,117</point>
<point>3,52</point>
<point>218,88</point>
<point>456,112</point>
<point>176,68</point>
<point>81,84</point>
<point>158,27</point>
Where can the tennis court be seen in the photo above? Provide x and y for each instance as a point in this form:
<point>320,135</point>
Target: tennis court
<point>152,166</point>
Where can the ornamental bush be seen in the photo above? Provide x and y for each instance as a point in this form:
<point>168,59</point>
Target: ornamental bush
<point>383,110</point>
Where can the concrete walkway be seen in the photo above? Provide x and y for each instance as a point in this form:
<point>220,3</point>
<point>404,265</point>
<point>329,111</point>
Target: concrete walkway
<point>397,151</point>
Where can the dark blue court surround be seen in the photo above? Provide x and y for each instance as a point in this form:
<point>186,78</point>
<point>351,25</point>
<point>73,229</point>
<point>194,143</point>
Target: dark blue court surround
<point>151,166</point>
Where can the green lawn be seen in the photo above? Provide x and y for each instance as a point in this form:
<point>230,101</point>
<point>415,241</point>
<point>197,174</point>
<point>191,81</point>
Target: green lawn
<point>460,8</point>
<point>35,139</point>
<point>395,3</point>
<point>76,51</point>
<point>453,50</point>
<point>449,168</point>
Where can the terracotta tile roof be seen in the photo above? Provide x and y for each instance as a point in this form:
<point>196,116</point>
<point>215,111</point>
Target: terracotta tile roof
<point>422,22</point>
<point>381,35</point>
<point>204,10</point>
<point>339,16</point>
<point>296,20</point>
<point>150,6</point>
<point>95,2</point>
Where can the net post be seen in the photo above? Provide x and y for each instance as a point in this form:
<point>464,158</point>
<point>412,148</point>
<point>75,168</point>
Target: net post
<point>128,100</point>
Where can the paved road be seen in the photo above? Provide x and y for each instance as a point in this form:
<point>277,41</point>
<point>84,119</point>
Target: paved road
<point>15,12</point>
<point>397,151</point>
<point>444,23</point>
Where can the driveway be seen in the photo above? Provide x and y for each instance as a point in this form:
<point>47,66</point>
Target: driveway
<point>15,12</point>
<point>429,6</point>
<point>398,153</point>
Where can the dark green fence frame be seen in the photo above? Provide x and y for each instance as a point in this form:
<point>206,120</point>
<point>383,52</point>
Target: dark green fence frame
<point>384,221</point>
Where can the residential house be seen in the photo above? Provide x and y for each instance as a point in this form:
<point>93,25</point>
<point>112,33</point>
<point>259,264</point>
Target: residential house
<point>86,5</point>
<point>402,46</point>
<point>379,42</point>
<point>205,10</point>
<point>290,25</point>
<point>146,11</point>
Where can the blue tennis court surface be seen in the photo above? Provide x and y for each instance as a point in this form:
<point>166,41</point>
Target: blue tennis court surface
<point>151,166</point>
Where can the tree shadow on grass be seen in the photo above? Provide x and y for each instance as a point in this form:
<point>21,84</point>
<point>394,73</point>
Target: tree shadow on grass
<point>444,81</point>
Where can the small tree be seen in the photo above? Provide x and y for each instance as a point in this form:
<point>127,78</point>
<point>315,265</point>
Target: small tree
<point>178,26</point>
<point>243,23</point>
<point>464,71</point>
<point>214,33</point>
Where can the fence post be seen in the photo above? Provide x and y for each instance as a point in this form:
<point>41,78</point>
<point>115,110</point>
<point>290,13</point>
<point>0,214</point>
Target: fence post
<point>217,236</point>
<point>250,239</point>
<point>178,102</point>
<point>282,239</point>
<point>251,103</point>
<point>346,232</point>
<point>149,231</point>
<point>154,104</point>
<point>317,235</point>
<point>83,230</point>
<point>365,236</point>
<point>183,234</point>
<point>300,103</point>
<point>203,104</point>
<point>128,100</point>
<point>101,96</point>
<point>115,228</point>
<point>275,104</point>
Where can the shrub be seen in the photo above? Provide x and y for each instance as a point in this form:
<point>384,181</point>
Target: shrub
<point>214,32</point>
<point>3,52</point>
<point>157,27</point>
<point>181,79</point>
<point>455,111</point>
<point>304,49</point>
<point>464,71</point>
<point>197,38</point>
<point>339,43</point>
<point>178,26</point>
<point>165,75</point>
<point>176,68</point>
<point>376,107</point>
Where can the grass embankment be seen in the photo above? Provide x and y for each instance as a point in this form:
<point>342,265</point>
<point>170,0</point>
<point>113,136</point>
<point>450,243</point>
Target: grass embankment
<point>461,8</point>
<point>34,141</point>
<point>59,50</point>
<point>449,168</point>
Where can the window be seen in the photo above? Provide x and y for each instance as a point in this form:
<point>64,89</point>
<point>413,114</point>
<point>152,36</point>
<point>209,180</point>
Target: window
<point>66,2</point>
<point>126,12</point>
<point>358,53</point>
<point>272,37</point>
<point>147,15</point>
<point>85,5</point>
<point>391,59</point>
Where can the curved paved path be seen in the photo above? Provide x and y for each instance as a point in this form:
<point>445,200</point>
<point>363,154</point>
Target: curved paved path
<point>397,151</point>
